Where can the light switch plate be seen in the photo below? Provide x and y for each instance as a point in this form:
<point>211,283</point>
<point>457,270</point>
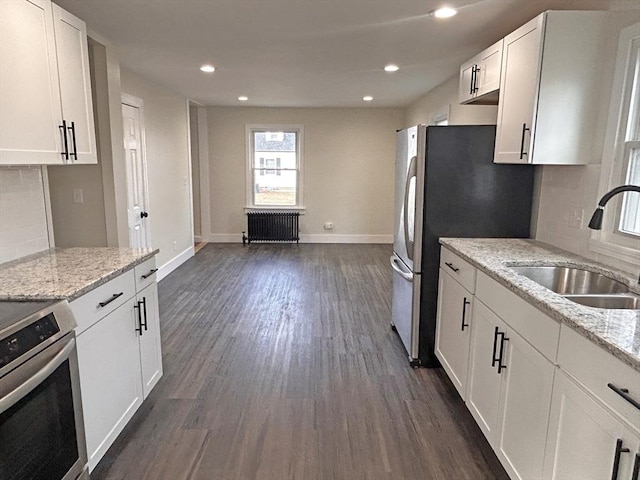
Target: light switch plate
<point>78,195</point>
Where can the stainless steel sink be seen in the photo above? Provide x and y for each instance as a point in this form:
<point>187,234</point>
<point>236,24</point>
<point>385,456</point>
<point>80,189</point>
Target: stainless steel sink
<point>620,301</point>
<point>572,281</point>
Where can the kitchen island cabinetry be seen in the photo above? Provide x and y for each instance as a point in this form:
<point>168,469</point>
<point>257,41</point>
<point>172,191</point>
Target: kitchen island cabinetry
<point>453,322</point>
<point>480,77</point>
<point>119,353</point>
<point>550,89</point>
<point>46,112</point>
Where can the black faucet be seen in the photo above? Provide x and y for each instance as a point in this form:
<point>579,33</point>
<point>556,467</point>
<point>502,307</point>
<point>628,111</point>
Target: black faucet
<point>596,219</point>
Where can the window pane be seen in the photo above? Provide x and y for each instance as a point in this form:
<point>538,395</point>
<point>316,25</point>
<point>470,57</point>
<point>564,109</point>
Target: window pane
<point>630,218</point>
<point>275,189</point>
<point>275,144</point>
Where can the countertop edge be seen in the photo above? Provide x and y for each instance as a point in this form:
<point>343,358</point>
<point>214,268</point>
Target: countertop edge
<point>545,306</point>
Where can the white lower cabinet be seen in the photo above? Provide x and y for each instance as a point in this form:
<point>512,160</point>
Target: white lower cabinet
<point>109,366</point>
<point>586,440</point>
<point>119,354</point>
<point>453,330</point>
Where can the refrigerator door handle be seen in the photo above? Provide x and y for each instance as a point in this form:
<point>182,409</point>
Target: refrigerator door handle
<point>394,264</point>
<point>411,173</point>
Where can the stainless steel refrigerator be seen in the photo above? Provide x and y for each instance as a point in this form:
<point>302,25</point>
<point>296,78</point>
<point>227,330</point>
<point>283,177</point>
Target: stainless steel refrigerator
<point>446,185</point>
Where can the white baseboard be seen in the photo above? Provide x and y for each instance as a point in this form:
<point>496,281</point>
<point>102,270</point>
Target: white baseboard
<point>197,238</point>
<point>333,238</point>
<point>311,238</point>
<point>174,263</point>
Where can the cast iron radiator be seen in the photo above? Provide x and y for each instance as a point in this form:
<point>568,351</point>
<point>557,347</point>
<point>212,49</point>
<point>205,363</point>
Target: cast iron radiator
<point>272,227</point>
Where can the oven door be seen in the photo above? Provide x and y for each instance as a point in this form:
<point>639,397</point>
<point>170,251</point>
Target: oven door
<point>41,425</point>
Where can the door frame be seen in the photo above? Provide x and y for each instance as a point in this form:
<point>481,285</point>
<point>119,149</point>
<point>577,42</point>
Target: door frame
<point>135,102</point>
<point>203,163</point>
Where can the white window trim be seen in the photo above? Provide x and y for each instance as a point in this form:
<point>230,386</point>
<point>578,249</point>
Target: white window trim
<point>270,127</point>
<point>607,241</point>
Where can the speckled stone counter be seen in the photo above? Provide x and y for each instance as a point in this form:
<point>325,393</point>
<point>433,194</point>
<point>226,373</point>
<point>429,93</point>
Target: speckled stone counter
<point>68,273</point>
<point>618,331</point>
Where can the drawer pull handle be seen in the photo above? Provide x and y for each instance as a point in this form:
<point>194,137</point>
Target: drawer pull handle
<point>151,272</point>
<point>113,297</point>
<point>522,152</point>
<point>450,265</point>
<point>616,458</point>
<point>624,393</point>
<point>465,302</point>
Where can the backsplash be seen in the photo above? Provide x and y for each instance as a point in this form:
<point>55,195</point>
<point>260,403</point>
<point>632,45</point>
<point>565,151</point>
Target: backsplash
<point>23,219</point>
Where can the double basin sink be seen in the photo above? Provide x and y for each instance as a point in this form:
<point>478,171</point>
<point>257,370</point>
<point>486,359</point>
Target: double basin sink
<point>582,286</point>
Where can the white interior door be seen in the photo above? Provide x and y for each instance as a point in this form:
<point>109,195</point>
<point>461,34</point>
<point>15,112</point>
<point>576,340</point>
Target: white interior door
<point>137,190</point>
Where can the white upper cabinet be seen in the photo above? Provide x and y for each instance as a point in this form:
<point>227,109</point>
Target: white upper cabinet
<point>480,77</point>
<point>45,92</point>
<point>550,89</point>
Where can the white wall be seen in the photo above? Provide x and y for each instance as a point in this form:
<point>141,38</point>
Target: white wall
<point>348,170</point>
<point>443,100</point>
<point>23,218</point>
<point>166,120</point>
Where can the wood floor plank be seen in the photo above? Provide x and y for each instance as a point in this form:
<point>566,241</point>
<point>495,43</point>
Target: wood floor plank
<point>280,365</point>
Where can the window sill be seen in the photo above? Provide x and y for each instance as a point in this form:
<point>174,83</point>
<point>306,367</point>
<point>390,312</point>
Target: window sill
<point>626,254</point>
<point>301,210</point>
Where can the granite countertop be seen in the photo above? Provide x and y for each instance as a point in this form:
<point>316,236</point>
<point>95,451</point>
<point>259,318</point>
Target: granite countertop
<point>618,331</point>
<point>66,273</point>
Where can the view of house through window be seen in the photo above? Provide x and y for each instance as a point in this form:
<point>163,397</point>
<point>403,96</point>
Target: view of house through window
<point>275,167</point>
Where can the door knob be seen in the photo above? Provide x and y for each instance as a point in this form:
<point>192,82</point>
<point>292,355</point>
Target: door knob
<point>144,214</point>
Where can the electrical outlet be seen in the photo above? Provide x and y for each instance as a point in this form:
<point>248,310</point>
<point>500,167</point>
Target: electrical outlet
<point>575,217</point>
<point>78,195</point>
<point>175,246</point>
<point>328,226</point>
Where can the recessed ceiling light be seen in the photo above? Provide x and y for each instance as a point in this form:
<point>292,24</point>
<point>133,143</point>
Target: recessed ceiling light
<point>367,98</point>
<point>391,68</point>
<point>242,98</point>
<point>208,68</point>
<point>445,12</point>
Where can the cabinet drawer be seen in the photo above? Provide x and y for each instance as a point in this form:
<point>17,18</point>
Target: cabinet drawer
<point>461,270</point>
<point>145,273</point>
<point>595,368</point>
<point>538,329</point>
<point>87,309</point>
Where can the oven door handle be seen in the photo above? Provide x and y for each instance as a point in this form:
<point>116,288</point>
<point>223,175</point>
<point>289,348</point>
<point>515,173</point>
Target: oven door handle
<point>13,397</point>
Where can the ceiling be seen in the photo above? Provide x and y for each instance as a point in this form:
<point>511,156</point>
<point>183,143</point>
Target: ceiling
<point>306,53</point>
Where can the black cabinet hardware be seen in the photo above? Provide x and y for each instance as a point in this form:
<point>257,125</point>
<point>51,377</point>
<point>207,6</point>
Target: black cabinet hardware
<point>136,307</point>
<point>65,152</point>
<point>113,297</point>
<point>616,458</point>
<point>624,393</point>
<point>450,265</point>
<point>144,214</point>
<point>474,79</point>
<point>72,129</point>
<point>503,340</point>
<point>636,468</point>
<point>144,311</point>
<point>522,152</point>
<point>495,345</point>
<point>465,302</point>
<point>151,272</point>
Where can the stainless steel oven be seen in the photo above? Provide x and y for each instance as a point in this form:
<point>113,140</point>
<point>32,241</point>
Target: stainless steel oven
<point>41,424</point>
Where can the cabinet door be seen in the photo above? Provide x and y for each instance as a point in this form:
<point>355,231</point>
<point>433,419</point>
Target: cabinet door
<point>466,91</point>
<point>524,408</point>
<point>584,436</point>
<point>30,110</point>
<point>453,330</point>
<point>109,365</point>
<point>489,73</point>
<point>75,85</point>
<point>520,77</point>
<point>149,337</point>
<point>483,393</point>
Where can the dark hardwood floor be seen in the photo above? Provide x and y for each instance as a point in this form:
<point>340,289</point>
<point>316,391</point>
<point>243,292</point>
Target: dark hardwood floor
<point>279,364</point>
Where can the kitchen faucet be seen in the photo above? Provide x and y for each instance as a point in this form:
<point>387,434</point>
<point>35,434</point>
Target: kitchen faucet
<point>596,219</point>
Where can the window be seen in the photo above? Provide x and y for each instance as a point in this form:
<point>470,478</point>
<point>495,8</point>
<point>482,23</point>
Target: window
<point>620,234</point>
<point>274,166</point>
